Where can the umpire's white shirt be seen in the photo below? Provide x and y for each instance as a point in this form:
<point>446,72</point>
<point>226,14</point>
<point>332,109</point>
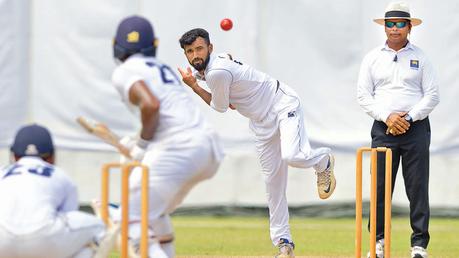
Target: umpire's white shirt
<point>250,91</point>
<point>397,81</point>
<point>32,192</point>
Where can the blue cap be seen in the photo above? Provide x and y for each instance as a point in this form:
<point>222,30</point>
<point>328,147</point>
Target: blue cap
<point>33,140</point>
<point>135,33</point>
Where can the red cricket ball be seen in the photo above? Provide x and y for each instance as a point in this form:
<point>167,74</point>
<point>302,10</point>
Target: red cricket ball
<point>226,24</point>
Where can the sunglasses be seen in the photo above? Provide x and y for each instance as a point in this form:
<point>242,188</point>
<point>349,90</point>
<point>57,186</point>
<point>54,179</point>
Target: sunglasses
<point>399,25</point>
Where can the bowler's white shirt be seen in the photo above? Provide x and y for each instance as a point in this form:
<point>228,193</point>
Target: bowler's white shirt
<point>32,193</point>
<point>177,113</point>
<point>250,91</point>
<point>406,83</point>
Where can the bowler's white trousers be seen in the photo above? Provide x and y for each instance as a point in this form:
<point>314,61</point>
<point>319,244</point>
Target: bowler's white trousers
<point>69,235</point>
<point>281,141</point>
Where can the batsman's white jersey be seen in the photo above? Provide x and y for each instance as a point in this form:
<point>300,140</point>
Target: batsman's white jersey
<point>184,150</point>
<point>178,115</point>
<point>39,214</point>
<point>276,118</point>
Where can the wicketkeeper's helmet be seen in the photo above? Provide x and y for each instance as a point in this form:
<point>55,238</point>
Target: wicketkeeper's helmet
<point>33,140</point>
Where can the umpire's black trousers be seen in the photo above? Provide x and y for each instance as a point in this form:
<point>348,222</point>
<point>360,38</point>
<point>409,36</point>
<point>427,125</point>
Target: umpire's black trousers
<point>413,149</point>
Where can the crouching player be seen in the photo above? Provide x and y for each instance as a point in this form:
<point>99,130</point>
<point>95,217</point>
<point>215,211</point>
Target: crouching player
<point>39,214</point>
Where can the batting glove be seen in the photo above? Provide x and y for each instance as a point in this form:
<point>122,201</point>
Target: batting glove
<point>137,148</point>
<point>137,153</point>
<point>128,141</point>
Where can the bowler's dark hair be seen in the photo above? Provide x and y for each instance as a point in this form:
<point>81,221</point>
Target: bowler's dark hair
<point>190,36</point>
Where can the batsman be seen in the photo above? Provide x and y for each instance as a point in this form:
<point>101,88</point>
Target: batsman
<point>175,141</point>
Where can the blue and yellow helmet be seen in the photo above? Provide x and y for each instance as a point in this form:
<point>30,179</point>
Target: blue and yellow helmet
<point>134,35</point>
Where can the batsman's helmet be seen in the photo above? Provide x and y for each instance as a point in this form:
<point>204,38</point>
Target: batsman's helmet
<point>33,140</point>
<point>134,35</point>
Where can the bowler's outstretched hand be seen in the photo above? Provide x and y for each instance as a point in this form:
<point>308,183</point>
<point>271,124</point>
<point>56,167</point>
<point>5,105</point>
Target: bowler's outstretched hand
<point>187,77</point>
<point>190,80</point>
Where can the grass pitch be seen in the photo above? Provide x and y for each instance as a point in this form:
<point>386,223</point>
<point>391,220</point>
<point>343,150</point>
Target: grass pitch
<point>314,237</point>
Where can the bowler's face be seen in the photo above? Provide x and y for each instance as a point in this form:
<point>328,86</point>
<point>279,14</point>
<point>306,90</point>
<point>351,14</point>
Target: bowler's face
<point>395,34</point>
<point>198,53</point>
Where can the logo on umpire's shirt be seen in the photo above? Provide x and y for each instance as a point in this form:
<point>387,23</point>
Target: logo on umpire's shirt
<point>291,114</point>
<point>414,64</point>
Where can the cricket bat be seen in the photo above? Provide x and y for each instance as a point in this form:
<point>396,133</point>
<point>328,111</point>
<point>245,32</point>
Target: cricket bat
<point>104,133</point>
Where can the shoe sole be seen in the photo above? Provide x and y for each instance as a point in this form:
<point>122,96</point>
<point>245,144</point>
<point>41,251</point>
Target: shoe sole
<point>332,180</point>
<point>284,256</point>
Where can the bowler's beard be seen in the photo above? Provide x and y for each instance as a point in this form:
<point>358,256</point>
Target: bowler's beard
<point>201,66</point>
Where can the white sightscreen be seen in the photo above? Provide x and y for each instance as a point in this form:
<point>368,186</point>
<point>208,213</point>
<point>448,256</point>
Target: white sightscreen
<point>56,62</point>
<point>14,67</point>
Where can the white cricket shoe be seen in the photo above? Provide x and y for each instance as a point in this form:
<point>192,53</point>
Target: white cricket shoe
<point>418,252</point>
<point>326,181</point>
<point>285,249</point>
<point>379,249</point>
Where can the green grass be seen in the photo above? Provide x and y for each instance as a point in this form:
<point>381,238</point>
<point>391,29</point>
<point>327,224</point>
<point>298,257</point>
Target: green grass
<point>249,236</point>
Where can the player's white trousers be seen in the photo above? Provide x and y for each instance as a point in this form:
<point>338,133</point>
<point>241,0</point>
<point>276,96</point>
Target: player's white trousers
<point>175,168</point>
<point>281,141</point>
<point>67,236</point>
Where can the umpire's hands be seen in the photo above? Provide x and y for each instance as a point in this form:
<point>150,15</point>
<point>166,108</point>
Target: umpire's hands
<point>396,123</point>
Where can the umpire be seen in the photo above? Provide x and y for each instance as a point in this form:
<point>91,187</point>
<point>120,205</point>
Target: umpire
<point>398,88</point>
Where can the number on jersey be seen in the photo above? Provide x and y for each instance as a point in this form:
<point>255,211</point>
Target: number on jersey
<point>167,75</point>
<point>38,170</point>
